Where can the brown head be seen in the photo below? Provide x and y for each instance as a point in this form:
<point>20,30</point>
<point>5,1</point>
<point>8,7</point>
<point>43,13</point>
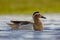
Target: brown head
<point>37,15</point>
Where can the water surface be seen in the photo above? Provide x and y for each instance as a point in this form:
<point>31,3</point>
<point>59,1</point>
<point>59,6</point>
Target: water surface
<point>51,29</point>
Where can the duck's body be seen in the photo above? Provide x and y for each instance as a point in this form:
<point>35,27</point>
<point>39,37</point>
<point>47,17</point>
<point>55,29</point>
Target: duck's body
<point>21,25</point>
<point>37,25</point>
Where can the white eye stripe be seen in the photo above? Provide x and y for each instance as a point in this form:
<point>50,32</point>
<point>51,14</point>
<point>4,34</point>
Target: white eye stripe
<point>35,14</point>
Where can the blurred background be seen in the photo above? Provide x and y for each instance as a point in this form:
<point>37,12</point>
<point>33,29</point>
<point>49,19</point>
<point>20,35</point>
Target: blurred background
<point>49,8</point>
<point>29,6</point>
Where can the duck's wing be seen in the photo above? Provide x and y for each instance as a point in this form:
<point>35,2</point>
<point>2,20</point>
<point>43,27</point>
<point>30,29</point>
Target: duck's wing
<point>26,22</point>
<point>22,22</point>
<point>16,22</point>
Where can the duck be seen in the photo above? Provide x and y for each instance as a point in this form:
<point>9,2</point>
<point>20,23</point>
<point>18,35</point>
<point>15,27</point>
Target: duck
<point>37,24</point>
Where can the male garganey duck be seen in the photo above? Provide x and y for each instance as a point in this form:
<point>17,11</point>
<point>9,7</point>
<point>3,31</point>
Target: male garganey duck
<point>37,25</point>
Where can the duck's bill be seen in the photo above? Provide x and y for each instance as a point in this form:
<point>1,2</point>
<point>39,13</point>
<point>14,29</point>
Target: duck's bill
<point>43,17</point>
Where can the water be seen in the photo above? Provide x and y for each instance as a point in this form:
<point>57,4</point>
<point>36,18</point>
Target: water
<point>51,29</point>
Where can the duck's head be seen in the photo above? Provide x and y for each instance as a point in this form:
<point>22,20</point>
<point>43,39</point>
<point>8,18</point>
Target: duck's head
<point>36,14</point>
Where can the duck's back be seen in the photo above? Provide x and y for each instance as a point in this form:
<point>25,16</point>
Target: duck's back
<point>23,22</point>
<point>24,25</point>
